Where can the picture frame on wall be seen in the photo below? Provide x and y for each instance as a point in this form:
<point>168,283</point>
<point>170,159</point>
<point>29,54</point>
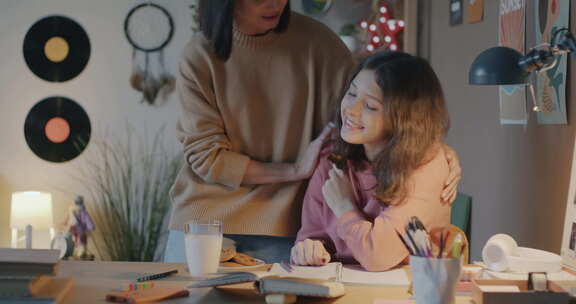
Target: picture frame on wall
<point>475,11</point>
<point>456,12</point>
<point>512,34</point>
<point>549,16</point>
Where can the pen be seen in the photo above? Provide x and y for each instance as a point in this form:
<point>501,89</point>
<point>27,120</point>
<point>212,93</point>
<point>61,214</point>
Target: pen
<point>456,246</point>
<point>410,249</point>
<point>426,236</point>
<point>156,276</point>
<point>441,245</point>
<point>420,235</point>
<point>414,244</point>
<point>446,238</point>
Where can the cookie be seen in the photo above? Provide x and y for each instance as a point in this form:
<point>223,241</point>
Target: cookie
<point>230,264</point>
<point>226,254</point>
<point>245,259</point>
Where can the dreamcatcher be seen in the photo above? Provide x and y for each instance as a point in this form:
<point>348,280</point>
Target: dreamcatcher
<point>149,28</point>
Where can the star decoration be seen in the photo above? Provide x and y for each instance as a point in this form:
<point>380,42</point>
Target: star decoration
<point>381,30</point>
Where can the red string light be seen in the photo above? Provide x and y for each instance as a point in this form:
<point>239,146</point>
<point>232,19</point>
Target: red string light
<point>381,30</point>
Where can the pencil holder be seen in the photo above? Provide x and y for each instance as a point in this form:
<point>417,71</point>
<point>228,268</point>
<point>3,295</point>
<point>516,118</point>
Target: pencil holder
<point>434,279</point>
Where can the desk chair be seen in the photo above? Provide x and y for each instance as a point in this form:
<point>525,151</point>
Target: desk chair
<point>460,217</point>
<point>461,213</point>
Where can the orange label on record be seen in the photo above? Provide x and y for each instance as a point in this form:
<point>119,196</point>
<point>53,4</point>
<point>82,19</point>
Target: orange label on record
<point>57,130</point>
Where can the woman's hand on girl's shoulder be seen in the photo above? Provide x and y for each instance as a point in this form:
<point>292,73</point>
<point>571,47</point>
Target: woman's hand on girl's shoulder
<point>306,164</point>
<point>309,253</point>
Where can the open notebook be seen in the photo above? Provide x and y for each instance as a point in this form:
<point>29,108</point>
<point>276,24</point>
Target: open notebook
<point>332,272</point>
<point>269,284</point>
<point>348,274</point>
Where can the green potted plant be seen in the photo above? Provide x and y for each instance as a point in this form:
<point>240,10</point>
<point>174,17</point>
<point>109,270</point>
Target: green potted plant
<point>128,180</point>
<point>348,34</point>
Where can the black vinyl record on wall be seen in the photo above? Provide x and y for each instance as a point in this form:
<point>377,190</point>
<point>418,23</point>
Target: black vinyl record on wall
<point>56,48</point>
<point>57,129</point>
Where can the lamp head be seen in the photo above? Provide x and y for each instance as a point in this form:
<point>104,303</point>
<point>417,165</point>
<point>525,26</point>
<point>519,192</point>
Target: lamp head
<point>498,66</point>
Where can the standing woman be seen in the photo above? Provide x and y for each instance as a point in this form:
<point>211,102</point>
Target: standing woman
<point>256,87</point>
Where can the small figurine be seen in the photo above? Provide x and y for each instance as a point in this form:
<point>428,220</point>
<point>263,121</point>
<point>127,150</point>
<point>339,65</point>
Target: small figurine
<point>79,224</point>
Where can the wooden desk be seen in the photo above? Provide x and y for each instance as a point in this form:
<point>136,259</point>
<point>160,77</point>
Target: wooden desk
<point>95,279</point>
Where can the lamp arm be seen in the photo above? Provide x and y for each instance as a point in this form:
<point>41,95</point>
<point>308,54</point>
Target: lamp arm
<point>563,41</point>
<point>536,59</point>
<point>543,57</point>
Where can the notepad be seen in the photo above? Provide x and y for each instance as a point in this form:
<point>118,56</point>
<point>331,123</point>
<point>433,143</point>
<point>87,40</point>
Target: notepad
<point>329,272</point>
<point>355,274</point>
<point>348,274</point>
<point>229,278</point>
<point>299,287</point>
<point>499,288</point>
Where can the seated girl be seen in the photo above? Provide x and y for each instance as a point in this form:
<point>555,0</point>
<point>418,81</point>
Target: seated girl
<point>386,166</point>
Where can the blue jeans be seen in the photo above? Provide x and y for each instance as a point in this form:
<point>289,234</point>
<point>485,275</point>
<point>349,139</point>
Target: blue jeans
<point>271,249</point>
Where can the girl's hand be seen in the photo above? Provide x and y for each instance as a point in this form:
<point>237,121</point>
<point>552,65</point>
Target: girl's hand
<point>306,164</point>
<point>451,187</point>
<point>309,252</point>
<point>337,192</point>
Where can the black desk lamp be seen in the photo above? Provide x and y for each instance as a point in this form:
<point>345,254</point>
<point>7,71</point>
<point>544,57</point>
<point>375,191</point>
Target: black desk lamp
<point>505,66</point>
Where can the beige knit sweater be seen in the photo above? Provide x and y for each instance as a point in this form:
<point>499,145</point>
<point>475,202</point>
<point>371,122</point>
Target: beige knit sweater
<point>266,103</point>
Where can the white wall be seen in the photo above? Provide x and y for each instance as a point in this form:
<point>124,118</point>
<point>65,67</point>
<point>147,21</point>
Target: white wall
<point>102,89</point>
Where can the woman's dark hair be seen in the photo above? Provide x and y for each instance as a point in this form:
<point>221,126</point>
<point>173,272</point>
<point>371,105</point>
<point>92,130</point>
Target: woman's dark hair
<point>216,19</point>
<point>416,114</point>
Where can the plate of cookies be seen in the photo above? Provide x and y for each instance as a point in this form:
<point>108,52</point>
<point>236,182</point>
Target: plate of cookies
<point>230,259</point>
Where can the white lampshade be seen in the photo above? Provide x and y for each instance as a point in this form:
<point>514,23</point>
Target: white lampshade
<point>31,208</point>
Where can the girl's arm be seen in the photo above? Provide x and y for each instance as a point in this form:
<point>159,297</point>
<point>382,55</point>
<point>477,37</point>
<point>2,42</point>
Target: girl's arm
<point>375,245</point>
<point>313,243</point>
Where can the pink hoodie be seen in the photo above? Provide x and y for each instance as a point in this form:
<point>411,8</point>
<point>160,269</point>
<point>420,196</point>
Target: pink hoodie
<point>366,234</point>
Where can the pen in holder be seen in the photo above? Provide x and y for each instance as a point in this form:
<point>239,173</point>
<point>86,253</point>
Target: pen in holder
<point>434,279</point>
<point>435,261</point>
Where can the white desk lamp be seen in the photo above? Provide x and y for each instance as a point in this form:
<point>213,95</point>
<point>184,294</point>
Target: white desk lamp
<point>30,209</point>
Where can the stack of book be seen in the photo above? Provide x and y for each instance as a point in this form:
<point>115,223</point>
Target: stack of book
<point>27,276</point>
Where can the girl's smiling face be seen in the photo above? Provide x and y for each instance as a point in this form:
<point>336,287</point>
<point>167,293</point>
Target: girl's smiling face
<point>363,114</point>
